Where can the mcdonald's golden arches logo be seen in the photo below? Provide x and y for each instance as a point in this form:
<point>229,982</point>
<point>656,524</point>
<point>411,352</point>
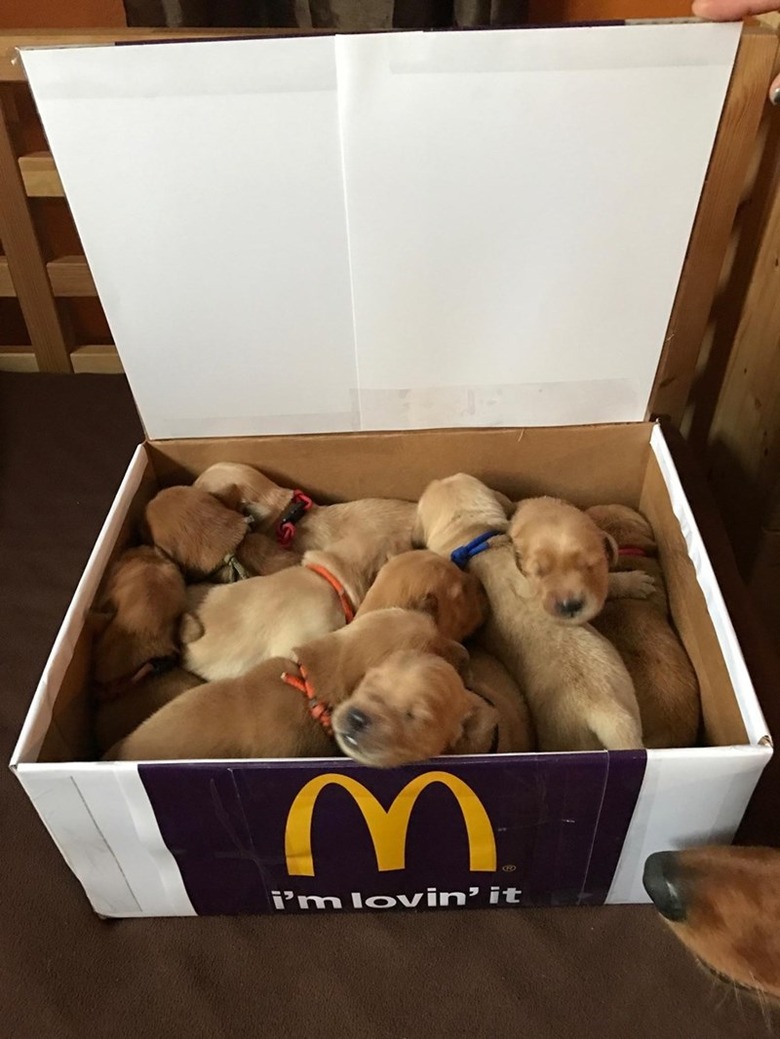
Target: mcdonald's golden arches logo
<point>388,829</point>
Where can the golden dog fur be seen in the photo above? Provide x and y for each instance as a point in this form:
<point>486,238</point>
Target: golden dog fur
<point>566,557</point>
<point>259,715</point>
<point>410,707</point>
<point>579,692</point>
<point>491,680</point>
<point>666,686</point>
<point>723,903</point>
<point>387,521</point>
<point>231,628</point>
<point>143,599</point>
<point>210,541</point>
<point>423,580</point>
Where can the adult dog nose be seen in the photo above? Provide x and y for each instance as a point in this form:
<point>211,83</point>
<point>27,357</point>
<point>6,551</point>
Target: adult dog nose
<point>356,719</point>
<point>569,607</point>
<point>663,883</point>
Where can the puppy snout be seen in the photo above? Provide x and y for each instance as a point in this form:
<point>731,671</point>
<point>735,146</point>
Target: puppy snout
<point>663,882</point>
<point>569,607</point>
<point>356,719</point>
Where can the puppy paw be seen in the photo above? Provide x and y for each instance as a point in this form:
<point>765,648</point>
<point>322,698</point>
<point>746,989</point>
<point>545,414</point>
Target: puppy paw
<point>633,584</point>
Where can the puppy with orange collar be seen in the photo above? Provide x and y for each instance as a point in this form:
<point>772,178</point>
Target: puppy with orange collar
<point>292,706</point>
<point>231,628</point>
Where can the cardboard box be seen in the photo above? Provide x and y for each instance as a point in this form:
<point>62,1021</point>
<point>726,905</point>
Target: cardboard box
<point>396,232</point>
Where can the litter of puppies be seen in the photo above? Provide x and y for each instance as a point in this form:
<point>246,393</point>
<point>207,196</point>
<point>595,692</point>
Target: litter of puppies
<point>254,623</point>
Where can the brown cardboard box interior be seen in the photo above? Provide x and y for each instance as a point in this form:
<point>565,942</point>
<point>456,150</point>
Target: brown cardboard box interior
<point>587,465</point>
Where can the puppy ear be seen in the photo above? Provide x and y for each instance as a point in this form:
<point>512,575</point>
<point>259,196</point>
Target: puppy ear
<point>428,603</point>
<point>190,629</point>
<point>454,654</point>
<point>611,548</point>
<point>479,727</point>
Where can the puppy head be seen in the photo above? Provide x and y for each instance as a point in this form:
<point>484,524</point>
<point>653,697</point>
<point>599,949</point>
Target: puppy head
<point>411,707</point>
<point>424,580</point>
<point>626,526</point>
<point>194,529</point>
<point>450,508</point>
<point>240,486</point>
<point>564,556</point>
<point>723,903</point>
<point>143,598</point>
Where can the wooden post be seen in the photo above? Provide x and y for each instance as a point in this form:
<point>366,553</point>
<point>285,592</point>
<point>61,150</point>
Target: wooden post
<point>25,263</point>
<point>731,157</point>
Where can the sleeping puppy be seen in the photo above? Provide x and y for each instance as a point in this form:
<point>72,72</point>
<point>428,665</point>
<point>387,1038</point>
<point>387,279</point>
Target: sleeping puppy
<point>410,707</point>
<point>282,707</point>
<point>723,903</point>
<point>580,695</point>
<point>231,628</point>
<point>208,540</point>
<point>423,580</point>
<point>142,601</point>
<point>135,653</point>
<point>664,679</point>
<point>291,518</point>
<point>565,558</point>
<point>489,679</point>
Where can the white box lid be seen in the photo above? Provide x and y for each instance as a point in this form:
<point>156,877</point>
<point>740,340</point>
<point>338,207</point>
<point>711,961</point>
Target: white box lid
<point>388,231</point>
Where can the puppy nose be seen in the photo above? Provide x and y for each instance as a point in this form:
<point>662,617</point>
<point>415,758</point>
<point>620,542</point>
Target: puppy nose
<point>662,882</point>
<point>569,607</point>
<point>356,719</point>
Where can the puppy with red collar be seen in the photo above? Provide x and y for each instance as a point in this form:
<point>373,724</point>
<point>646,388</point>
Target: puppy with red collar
<point>210,541</point>
<point>294,520</point>
<point>640,629</point>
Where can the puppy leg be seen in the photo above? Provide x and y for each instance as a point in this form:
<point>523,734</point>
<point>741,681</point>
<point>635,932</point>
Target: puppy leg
<point>630,584</point>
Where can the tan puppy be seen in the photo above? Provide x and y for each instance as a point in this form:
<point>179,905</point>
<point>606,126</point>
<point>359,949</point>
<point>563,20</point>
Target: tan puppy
<point>278,709</point>
<point>135,653</point>
<point>666,686</point>
<point>491,680</point>
<point>209,540</point>
<point>423,580</point>
<point>232,628</point>
<point>411,707</point>
<point>142,601</point>
<point>117,717</point>
<point>292,518</point>
<point>580,695</point>
<point>565,558</point>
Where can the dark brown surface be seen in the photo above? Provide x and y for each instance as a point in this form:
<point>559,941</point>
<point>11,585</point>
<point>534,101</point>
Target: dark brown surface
<point>65,442</point>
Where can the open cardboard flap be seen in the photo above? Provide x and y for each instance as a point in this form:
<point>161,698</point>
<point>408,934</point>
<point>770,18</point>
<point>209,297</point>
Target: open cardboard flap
<point>388,231</point>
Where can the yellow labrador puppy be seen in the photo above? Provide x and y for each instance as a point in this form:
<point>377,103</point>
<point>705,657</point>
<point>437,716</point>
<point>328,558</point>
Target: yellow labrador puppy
<point>491,680</point>
<point>294,519</point>
<point>282,707</point>
<point>423,580</point>
<point>565,558</point>
<point>666,685</point>
<point>135,653</point>
<point>231,628</point>
<point>579,692</point>
<point>410,707</point>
